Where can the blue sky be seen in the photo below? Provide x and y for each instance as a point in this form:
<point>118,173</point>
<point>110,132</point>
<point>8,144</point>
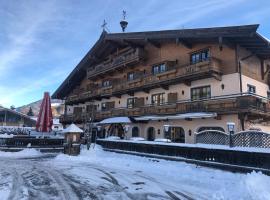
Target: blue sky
<point>42,41</point>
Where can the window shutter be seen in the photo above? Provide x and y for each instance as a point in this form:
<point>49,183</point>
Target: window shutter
<point>110,105</point>
<point>172,97</point>
<point>139,102</point>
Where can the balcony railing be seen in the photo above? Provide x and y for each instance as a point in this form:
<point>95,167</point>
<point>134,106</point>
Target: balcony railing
<point>227,104</point>
<point>128,57</point>
<point>208,68</point>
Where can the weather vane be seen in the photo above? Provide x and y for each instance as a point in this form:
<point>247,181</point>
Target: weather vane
<point>124,23</point>
<point>124,14</point>
<point>104,25</point>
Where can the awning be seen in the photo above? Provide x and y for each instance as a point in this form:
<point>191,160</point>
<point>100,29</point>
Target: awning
<point>114,120</point>
<point>196,115</point>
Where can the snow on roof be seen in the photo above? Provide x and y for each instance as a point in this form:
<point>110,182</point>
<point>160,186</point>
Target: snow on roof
<point>179,116</point>
<point>56,121</point>
<point>115,120</point>
<point>72,129</point>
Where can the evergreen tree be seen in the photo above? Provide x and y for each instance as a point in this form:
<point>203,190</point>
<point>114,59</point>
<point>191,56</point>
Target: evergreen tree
<point>12,107</point>
<point>30,112</point>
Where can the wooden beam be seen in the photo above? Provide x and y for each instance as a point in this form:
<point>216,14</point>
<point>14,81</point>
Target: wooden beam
<point>267,70</point>
<point>165,87</point>
<point>146,90</point>
<point>220,43</point>
<point>187,83</point>
<point>184,43</point>
<point>132,44</point>
<point>152,42</point>
<point>262,68</point>
<point>130,93</point>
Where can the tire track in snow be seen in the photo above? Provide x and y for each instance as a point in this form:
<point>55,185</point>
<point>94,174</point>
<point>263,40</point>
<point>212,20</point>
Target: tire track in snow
<point>64,188</point>
<point>17,191</point>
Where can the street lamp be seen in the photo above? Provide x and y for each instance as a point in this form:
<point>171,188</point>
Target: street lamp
<point>126,129</point>
<point>166,130</point>
<point>231,126</point>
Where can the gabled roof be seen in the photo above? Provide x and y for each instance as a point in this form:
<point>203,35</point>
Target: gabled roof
<point>245,36</point>
<point>16,113</point>
<point>72,129</point>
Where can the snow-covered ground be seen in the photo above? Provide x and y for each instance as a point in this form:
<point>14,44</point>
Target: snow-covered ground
<point>97,174</point>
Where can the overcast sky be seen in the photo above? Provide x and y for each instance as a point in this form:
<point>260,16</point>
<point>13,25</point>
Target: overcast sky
<point>42,41</point>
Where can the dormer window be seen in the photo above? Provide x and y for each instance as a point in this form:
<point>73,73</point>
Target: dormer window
<point>106,83</point>
<point>160,68</point>
<point>200,56</point>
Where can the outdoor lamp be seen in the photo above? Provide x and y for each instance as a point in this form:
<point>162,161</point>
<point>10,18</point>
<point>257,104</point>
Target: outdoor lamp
<point>126,128</point>
<point>230,126</point>
<point>166,128</point>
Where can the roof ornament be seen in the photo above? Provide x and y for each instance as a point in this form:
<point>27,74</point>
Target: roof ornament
<point>124,23</point>
<point>104,26</point>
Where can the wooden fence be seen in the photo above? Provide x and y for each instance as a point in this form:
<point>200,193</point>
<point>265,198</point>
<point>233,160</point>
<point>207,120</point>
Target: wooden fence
<point>221,158</point>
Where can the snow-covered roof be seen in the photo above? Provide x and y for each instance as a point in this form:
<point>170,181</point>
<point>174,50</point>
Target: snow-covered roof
<point>115,120</point>
<point>179,116</point>
<point>56,121</point>
<point>72,129</point>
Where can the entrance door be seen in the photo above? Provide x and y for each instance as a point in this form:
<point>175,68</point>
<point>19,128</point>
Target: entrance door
<point>116,130</point>
<point>151,134</point>
<point>177,134</point>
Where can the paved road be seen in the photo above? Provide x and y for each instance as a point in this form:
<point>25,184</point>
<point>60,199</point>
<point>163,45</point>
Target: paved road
<point>36,178</point>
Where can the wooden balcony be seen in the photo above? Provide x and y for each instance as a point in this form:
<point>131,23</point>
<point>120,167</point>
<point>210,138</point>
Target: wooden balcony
<point>129,57</point>
<point>233,104</point>
<point>176,74</point>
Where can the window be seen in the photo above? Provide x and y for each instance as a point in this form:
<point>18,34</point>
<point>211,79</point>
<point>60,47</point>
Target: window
<point>106,83</point>
<point>157,69</point>
<point>200,56</point>
<point>200,93</point>
<point>158,99</point>
<point>251,88</point>
<point>130,76</point>
<point>103,106</point>
<point>130,102</point>
<point>135,131</point>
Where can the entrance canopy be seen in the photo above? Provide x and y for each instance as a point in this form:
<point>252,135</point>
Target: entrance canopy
<point>115,120</point>
<point>196,115</point>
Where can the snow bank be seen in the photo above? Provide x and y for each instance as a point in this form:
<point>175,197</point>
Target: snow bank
<point>258,185</point>
<point>26,153</point>
<point>6,135</point>
<point>113,138</point>
<point>162,140</point>
<point>85,156</point>
<point>137,139</point>
<point>205,182</point>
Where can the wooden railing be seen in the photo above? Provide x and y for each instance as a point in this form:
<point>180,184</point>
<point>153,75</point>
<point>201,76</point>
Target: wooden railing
<point>128,57</point>
<point>211,67</point>
<point>219,104</point>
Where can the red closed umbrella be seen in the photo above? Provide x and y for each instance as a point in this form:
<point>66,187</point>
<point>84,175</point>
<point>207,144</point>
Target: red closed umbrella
<point>45,119</point>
